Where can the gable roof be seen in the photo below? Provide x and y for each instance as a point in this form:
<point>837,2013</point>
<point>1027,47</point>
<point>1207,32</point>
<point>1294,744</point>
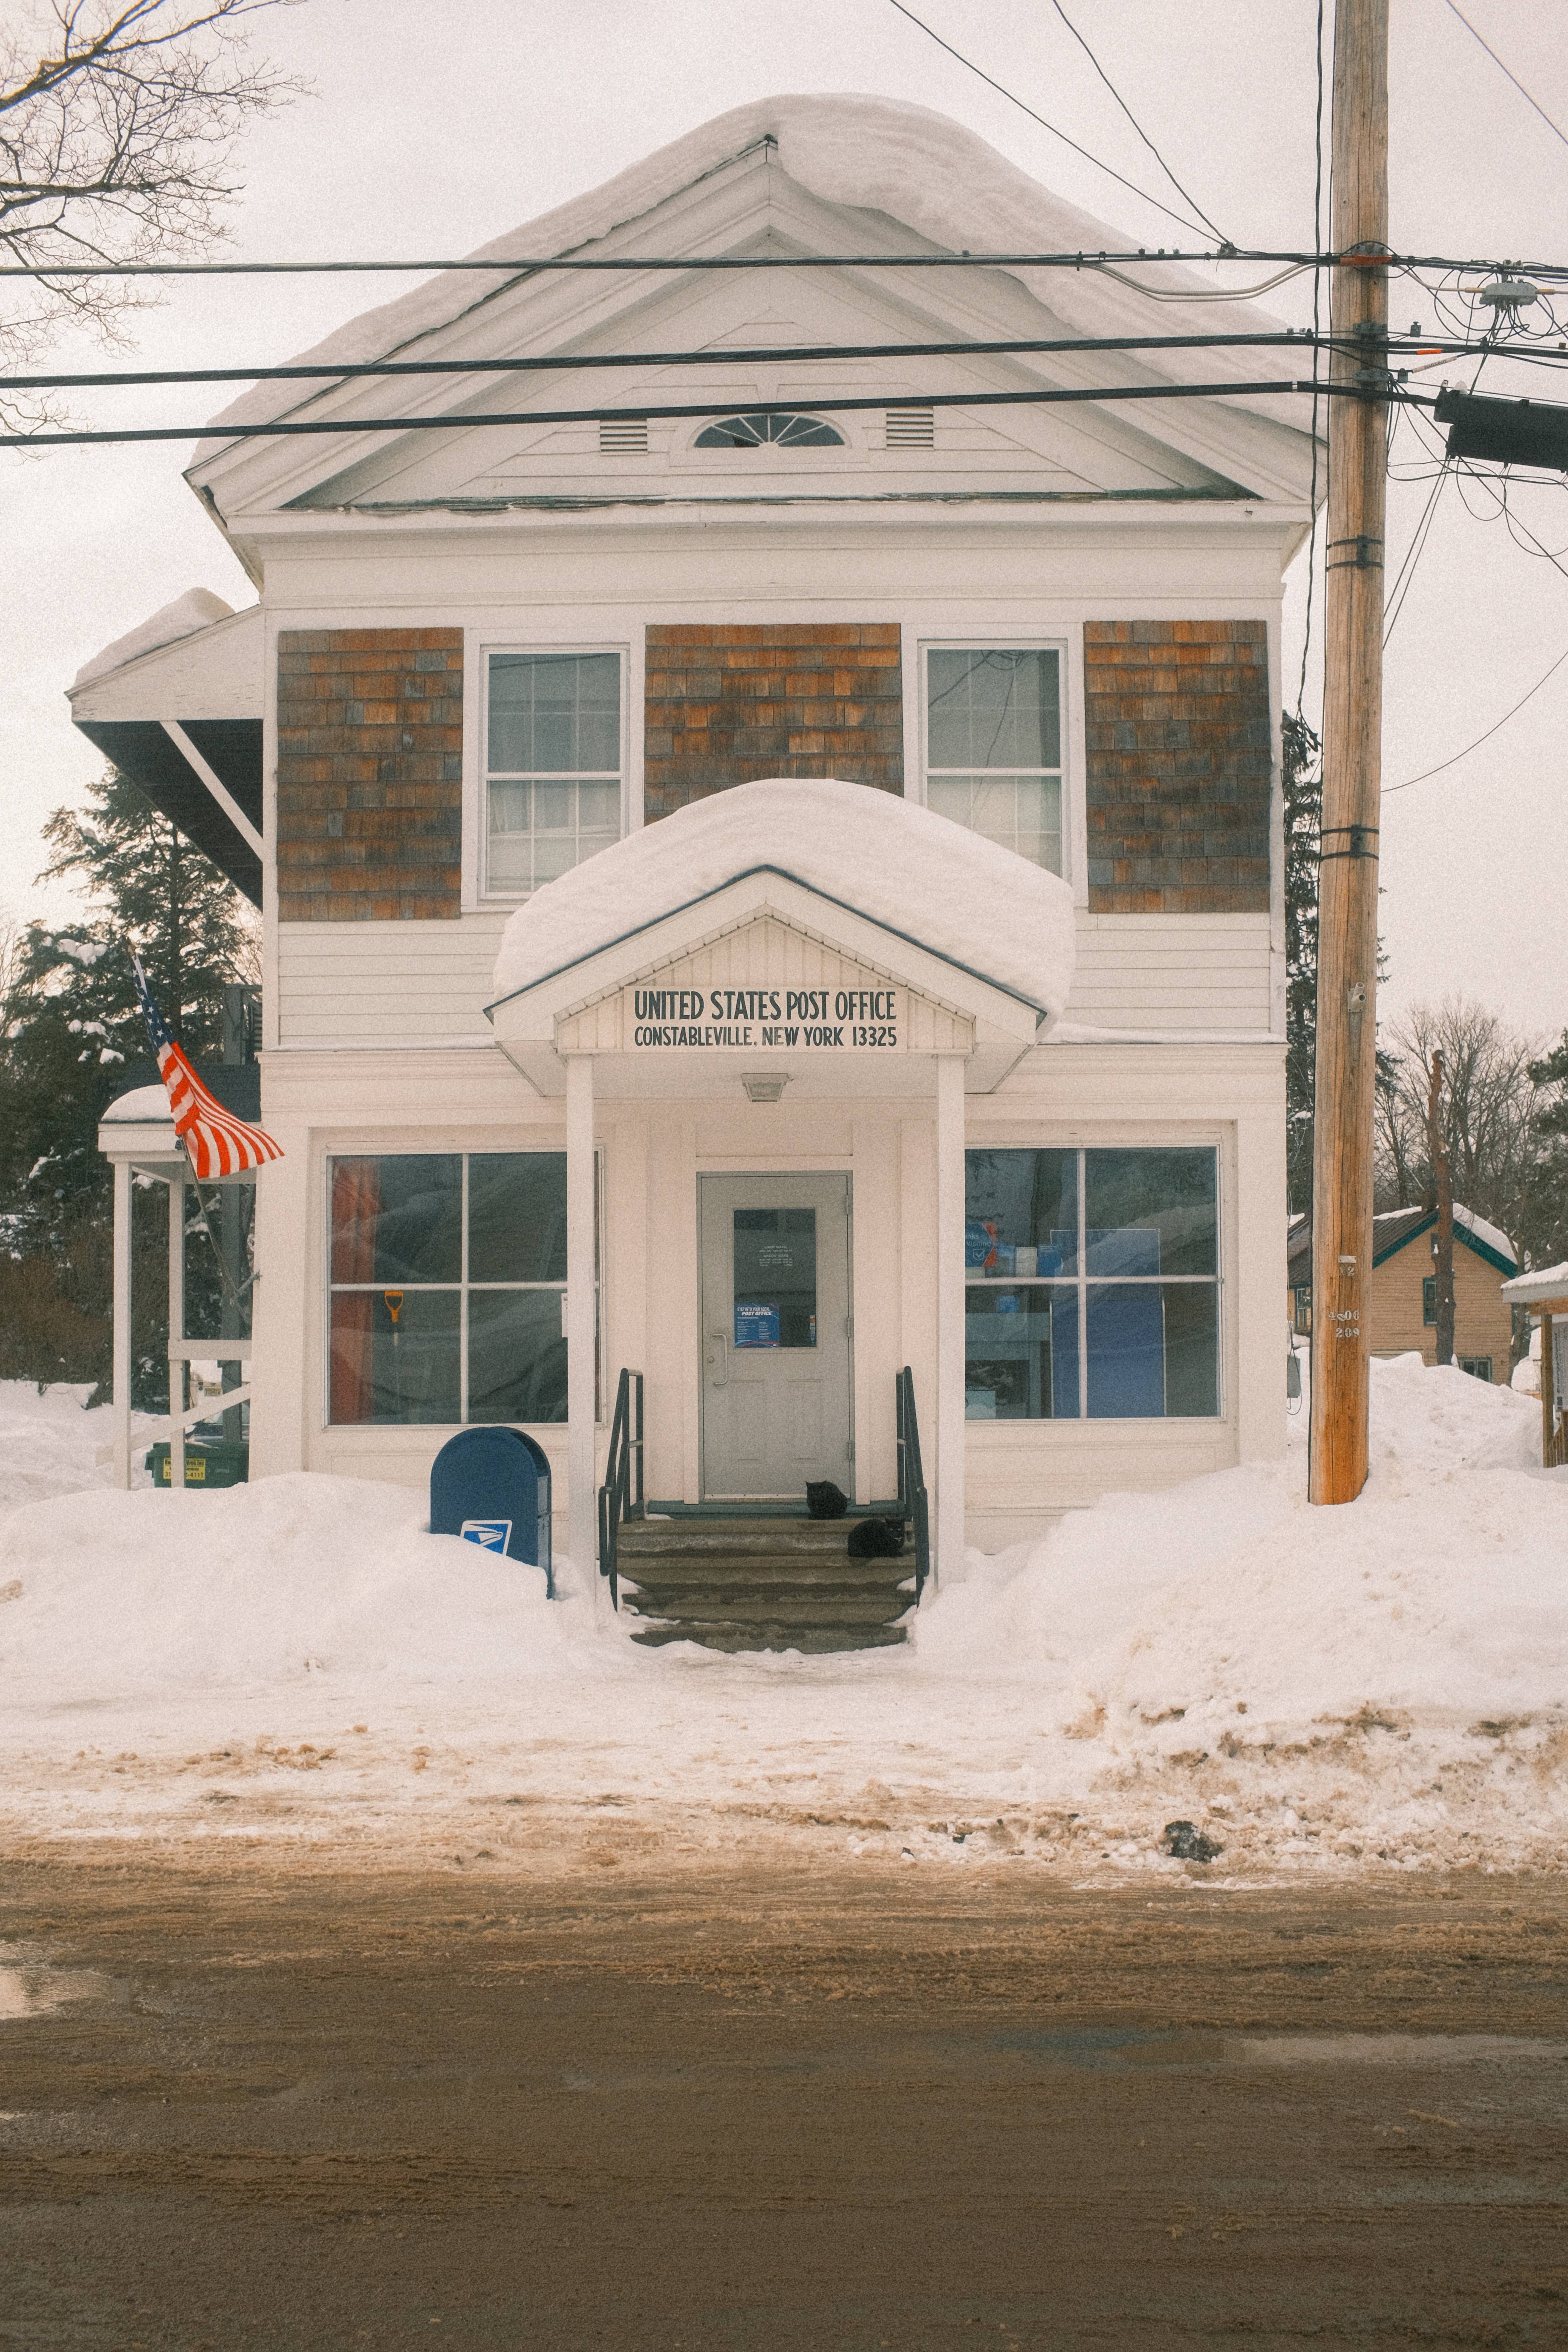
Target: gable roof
<point>1393,1229</point>
<point>917,180</point>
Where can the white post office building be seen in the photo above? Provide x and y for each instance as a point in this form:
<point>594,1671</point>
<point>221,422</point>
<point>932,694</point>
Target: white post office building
<point>771,866</point>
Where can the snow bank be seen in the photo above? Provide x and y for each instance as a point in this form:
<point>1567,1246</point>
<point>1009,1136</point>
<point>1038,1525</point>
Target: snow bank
<point>901,865</point>
<point>50,1444</point>
<point>149,1592</point>
<point>879,155</point>
<point>198,608</point>
<point>1383,1684</point>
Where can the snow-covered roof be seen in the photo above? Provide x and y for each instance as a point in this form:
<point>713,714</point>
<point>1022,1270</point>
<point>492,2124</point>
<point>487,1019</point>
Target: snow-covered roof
<point>1542,1282</point>
<point>875,154</point>
<point>198,608</point>
<point>1393,1228</point>
<point>140,1106</point>
<point>1493,1235</point>
<point>931,881</point>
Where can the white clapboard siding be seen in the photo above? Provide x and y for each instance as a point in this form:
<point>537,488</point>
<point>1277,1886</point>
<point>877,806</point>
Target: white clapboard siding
<point>1171,972</point>
<point>386,984</point>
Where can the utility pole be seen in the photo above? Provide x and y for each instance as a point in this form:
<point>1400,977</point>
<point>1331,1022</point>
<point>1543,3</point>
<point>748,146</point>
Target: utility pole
<point>1353,727</point>
<point>1443,1200</point>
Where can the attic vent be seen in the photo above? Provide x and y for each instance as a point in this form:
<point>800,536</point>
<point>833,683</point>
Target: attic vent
<point>623,435</point>
<point>912,428</point>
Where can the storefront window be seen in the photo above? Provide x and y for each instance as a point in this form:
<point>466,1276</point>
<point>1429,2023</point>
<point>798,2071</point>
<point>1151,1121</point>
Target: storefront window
<point>1093,1284</point>
<point>449,1274</point>
<point>994,745</point>
<point>553,765</point>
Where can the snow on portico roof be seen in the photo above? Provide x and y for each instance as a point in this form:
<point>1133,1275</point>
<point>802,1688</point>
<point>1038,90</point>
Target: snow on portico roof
<point>874,154</point>
<point>198,608</point>
<point>919,875</point>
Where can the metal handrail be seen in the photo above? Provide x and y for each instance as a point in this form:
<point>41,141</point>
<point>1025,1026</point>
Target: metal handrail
<point>621,1495</point>
<point>913,1502</point>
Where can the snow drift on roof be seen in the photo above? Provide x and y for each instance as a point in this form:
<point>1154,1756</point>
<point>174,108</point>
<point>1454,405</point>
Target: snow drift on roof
<point>1541,1282</point>
<point>1493,1235</point>
<point>878,154</point>
<point>198,608</point>
<point>920,875</point>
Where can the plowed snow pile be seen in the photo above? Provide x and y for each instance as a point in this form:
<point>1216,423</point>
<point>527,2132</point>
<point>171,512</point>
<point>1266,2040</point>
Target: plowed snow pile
<point>1381,1684</point>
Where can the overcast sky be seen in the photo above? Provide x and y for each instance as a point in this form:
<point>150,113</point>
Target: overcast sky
<point>432,127</point>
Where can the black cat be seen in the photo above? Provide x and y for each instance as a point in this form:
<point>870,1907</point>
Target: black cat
<point>876,1539</point>
<point>824,1500</point>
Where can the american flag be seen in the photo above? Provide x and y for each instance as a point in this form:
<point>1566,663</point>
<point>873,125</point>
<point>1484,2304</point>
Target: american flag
<point>218,1143</point>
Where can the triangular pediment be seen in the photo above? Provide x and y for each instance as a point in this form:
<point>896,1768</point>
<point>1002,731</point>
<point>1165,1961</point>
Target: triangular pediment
<point>776,195</point>
<point>764,984</point>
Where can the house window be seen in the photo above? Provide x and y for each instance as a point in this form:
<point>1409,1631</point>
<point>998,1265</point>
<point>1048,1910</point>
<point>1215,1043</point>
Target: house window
<point>1429,1298</point>
<point>993,744</point>
<point>1303,1297</point>
<point>760,427</point>
<point>1478,1367</point>
<point>1093,1284</point>
<point>553,765</point>
<point>447,1286</point>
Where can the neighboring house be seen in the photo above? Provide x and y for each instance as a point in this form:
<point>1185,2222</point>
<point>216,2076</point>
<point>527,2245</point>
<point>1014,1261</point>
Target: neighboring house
<point>974,1062</point>
<point>1544,1292</point>
<point>1402,1296</point>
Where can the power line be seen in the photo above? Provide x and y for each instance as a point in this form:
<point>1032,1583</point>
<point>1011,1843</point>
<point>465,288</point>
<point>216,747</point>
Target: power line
<point>1013,99</point>
<point>1297,339</point>
<point>1511,75</point>
<point>1184,193</point>
<point>528,265</point>
<point>1427,772</point>
<point>463,422</point>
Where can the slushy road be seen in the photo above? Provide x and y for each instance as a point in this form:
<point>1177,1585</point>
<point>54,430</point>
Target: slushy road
<point>247,2105</point>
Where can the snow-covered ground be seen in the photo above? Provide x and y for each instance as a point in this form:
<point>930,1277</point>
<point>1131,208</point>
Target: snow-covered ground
<point>1380,1686</point>
<point>49,1445</point>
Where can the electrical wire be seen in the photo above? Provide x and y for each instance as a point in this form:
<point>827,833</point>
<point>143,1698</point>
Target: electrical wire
<point>1407,573</point>
<point>1426,773</point>
<point>463,421</point>
<point>1186,196</point>
<point>1013,99</point>
<point>526,265</point>
<point>1511,75</point>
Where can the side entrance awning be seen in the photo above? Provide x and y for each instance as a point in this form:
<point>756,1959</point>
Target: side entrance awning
<point>176,706</point>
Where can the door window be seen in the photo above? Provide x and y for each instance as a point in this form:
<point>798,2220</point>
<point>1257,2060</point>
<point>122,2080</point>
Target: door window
<point>775,1278</point>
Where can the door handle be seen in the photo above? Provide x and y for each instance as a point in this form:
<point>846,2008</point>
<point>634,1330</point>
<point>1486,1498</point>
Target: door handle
<point>721,1338</point>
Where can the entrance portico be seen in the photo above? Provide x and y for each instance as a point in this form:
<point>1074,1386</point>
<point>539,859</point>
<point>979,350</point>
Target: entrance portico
<point>737,1016</point>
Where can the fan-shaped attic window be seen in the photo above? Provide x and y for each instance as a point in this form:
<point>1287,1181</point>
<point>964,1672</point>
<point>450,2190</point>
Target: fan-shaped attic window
<point>759,426</point>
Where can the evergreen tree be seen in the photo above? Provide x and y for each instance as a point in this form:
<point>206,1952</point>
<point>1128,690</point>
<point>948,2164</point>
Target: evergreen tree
<point>71,1023</point>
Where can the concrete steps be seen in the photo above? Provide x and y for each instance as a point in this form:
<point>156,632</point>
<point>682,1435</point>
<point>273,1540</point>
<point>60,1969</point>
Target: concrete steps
<point>763,1583</point>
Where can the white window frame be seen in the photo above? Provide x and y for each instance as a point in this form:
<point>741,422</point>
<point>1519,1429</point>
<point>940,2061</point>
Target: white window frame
<point>328,1289</point>
<point>484,895</point>
<point>996,641</point>
<point>1083,1282</point>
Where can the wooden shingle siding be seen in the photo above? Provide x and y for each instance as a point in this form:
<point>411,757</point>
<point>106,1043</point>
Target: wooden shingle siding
<point>1177,728</point>
<point>729,703</point>
<point>369,774</point>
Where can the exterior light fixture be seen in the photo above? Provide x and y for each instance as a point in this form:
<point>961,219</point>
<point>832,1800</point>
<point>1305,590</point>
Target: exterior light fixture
<point>764,1086</point>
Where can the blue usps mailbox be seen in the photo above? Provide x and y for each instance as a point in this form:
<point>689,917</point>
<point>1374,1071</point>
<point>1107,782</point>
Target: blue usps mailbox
<point>491,1487</point>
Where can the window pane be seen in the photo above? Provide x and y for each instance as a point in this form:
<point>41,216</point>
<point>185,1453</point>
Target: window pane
<point>395,1355</point>
<point>996,709</point>
<point>1020,1212</point>
<point>1020,1353</point>
<point>1153,1350</point>
<point>1020,813</point>
<point>398,1218</point>
<point>517,1357</point>
<point>517,1216</point>
<point>775,1278</point>
<point>1152,1213</point>
<point>554,714</point>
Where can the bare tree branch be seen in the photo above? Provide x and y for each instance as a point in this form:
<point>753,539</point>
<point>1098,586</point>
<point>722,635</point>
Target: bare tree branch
<point>118,124</point>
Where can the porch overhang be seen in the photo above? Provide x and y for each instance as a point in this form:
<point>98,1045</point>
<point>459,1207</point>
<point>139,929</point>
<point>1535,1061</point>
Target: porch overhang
<point>177,706</point>
<point>821,933</point>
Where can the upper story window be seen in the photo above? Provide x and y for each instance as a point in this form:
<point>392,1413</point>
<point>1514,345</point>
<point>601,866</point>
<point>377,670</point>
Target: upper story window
<point>553,765</point>
<point>993,744</point>
<point>759,426</point>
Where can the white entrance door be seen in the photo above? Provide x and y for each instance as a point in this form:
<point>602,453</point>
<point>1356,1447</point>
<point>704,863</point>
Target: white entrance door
<point>775,1335</point>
